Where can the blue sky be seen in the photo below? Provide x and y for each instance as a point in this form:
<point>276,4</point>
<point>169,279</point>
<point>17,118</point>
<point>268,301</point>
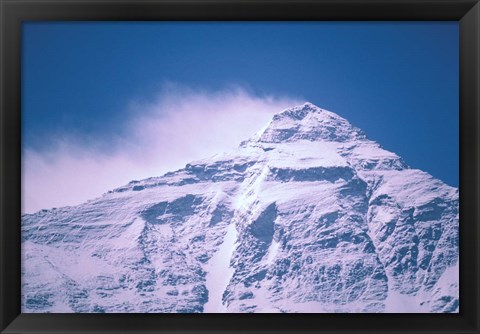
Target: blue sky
<point>85,83</point>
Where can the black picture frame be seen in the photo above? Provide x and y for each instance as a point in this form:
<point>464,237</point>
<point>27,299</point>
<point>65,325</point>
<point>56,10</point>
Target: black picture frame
<point>14,12</point>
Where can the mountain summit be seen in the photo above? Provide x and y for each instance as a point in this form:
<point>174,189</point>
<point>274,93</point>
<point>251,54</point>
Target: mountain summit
<point>308,215</point>
<point>308,122</point>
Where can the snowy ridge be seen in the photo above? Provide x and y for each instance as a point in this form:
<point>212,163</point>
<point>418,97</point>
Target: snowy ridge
<point>308,215</point>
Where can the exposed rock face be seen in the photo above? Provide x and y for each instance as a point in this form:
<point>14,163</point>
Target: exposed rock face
<point>306,216</point>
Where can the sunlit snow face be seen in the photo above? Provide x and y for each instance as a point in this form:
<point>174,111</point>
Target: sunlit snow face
<point>322,220</point>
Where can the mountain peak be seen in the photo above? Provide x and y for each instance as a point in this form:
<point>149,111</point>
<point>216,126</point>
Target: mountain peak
<point>308,122</point>
<point>298,112</point>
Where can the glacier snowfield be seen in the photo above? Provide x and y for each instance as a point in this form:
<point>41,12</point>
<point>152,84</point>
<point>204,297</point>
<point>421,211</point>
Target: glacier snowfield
<point>308,215</point>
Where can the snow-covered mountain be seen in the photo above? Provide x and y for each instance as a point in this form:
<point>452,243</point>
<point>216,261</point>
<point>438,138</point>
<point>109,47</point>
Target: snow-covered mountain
<point>308,215</point>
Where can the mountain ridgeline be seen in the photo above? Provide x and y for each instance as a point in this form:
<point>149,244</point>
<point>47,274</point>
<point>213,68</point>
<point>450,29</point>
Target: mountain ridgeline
<point>308,215</point>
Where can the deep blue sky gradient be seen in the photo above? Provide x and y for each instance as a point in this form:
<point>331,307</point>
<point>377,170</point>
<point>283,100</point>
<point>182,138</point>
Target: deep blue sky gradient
<point>398,81</point>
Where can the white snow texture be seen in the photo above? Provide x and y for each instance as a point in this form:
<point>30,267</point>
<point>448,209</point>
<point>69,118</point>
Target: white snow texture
<point>308,215</point>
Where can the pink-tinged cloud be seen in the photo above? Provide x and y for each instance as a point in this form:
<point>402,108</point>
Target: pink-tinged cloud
<point>180,126</point>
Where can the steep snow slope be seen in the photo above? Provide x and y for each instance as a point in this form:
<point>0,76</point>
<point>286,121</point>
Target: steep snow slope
<point>308,215</point>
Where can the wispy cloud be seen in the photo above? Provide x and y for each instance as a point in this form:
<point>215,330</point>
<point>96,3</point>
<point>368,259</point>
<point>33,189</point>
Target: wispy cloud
<point>180,125</point>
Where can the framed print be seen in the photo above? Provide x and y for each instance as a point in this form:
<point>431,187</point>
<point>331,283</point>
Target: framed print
<point>239,166</point>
